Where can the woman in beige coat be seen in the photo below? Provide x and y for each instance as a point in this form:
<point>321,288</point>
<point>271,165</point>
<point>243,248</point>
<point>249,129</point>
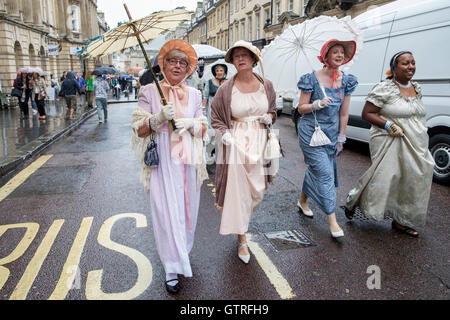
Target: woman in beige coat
<point>240,112</point>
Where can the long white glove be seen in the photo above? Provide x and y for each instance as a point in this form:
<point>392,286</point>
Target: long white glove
<point>227,139</point>
<point>266,119</point>
<point>320,104</point>
<point>167,112</point>
<point>184,124</point>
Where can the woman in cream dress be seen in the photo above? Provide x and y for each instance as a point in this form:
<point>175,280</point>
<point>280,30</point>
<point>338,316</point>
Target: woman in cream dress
<point>240,112</point>
<point>397,184</point>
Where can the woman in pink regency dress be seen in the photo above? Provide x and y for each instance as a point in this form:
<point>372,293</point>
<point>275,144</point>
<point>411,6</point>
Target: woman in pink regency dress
<point>174,185</point>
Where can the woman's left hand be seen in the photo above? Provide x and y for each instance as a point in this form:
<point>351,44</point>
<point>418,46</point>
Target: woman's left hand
<point>339,149</point>
<point>265,119</point>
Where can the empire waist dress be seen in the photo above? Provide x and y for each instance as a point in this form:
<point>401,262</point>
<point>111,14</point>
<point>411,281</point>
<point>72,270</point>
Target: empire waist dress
<point>320,180</point>
<point>245,181</point>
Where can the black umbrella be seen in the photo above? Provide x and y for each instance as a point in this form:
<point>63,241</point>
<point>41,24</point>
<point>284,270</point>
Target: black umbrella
<point>147,76</point>
<point>103,70</point>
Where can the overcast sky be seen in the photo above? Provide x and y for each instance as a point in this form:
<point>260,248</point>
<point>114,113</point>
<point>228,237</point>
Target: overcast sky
<point>115,11</point>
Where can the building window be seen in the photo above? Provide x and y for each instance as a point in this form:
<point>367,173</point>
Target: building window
<point>75,19</point>
<point>277,10</point>
<point>44,11</point>
<point>236,7</point>
<point>257,26</point>
<point>242,31</point>
<point>267,16</point>
<point>291,5</point>
<point>250,22</point>
<point>305,3</point>
<point>51,13</point>
<point>243,4</point>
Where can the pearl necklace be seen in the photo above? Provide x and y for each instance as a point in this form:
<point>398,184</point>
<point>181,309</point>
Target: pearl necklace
<point>404,86</point>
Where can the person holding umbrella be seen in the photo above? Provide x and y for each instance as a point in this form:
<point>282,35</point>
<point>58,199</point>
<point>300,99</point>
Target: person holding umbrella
<point>219,71</point>
<point>240,111</point>
<point>39,94</point>
<point>324,104</point>
<point>174,183</point>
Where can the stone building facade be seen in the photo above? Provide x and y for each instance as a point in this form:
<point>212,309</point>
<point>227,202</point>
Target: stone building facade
<point>260,21</point>
<point>46,34</point>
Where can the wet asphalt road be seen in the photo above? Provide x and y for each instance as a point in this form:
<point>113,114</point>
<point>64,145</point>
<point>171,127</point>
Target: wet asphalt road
<point>87,203</point>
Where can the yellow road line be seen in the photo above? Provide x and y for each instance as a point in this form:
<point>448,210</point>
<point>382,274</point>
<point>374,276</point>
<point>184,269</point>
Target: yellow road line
<point>278,281</point>
<point>22,176</point>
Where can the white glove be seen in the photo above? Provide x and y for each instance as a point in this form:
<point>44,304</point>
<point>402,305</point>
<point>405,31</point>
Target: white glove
<point>184,124</point>
<point>320,104</point>
<point>266,119</point>
<point>227,139</point>
<point>340,144</point>
<point>167,112</point>
<point>395,131</point>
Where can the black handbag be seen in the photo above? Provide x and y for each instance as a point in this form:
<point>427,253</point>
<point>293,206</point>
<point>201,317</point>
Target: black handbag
<point>151,154</point>
<point>16,92</point>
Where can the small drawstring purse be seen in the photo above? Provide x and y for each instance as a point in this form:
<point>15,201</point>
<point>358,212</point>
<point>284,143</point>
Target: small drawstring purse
<point>319,138</point>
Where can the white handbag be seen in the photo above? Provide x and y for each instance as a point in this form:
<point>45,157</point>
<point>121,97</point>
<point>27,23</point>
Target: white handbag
<point>273,147</point>
<point>319,138</point>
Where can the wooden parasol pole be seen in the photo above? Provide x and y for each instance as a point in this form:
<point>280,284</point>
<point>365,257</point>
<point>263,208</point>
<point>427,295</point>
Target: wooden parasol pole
<point>136,33</point>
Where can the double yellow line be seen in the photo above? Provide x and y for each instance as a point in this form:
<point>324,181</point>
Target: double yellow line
<point>22,176</point>
<point>280,284</point>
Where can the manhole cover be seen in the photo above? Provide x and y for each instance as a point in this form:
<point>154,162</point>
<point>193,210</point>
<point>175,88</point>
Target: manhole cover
<point>290,239</point>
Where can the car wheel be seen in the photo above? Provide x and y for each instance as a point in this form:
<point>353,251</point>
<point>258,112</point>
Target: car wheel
<point>440,150</point>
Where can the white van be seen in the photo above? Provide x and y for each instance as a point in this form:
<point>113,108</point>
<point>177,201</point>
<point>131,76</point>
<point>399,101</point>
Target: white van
<point>422,27</point>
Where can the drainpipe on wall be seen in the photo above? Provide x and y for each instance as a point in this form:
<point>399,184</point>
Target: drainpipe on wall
<point>228,33</point>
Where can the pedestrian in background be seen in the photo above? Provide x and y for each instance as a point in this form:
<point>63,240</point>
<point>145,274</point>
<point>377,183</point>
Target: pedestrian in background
<point>21,84</point>
<point>39,94</point>
<point>398,183</point>
<point>240,111</point>
<point>174,184</point>
<point>69,90</point>
<point>211,86</point>
<point>54,84</point>
<point>90,90</point>
<point>82,95</point>
<point>63,77</point>
<point>324,101</point>
<point>100,90</point>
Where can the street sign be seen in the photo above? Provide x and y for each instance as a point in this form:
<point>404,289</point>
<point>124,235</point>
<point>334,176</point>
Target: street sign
<point>75,50</point>
<point>53,49</point>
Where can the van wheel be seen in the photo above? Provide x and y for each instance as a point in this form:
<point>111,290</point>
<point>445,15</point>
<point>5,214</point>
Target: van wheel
<point>440,150</point>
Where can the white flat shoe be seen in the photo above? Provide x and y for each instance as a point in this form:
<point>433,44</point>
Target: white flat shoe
<point>244,257</point>
<point>337,234</point>
<point>307,213</point>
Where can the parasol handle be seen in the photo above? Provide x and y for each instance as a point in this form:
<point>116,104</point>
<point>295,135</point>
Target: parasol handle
<point>163,99</point>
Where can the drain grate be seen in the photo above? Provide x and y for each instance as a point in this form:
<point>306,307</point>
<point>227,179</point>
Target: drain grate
<point>358,215</point>
<point>290,239</point>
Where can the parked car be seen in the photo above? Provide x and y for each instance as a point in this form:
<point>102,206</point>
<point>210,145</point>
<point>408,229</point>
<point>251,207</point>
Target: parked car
<point>422,27</point>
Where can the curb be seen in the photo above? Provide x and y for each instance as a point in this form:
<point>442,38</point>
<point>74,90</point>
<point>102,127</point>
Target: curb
<point>43,142</point>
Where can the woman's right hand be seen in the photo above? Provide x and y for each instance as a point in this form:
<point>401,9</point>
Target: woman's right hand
<point>167,112</point>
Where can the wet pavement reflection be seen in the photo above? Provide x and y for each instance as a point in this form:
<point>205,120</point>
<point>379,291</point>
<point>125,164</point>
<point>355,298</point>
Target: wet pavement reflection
<point>17,133</point>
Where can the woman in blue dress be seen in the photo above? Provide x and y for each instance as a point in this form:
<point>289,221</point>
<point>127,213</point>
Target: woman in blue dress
<point>324,102</point>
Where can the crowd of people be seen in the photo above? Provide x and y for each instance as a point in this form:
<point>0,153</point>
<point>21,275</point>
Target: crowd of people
<point>71,89</point>
<point>241,109</point>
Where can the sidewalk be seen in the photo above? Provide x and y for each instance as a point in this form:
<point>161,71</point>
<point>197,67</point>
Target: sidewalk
<point>23,139</point>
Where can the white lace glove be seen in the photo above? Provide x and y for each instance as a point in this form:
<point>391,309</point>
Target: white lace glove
<point>266,119</point>
<point>227,139</point>
<point>184,124</point>
<point>395,131</point>
<point>320,104</point>
<point>167,112</point>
